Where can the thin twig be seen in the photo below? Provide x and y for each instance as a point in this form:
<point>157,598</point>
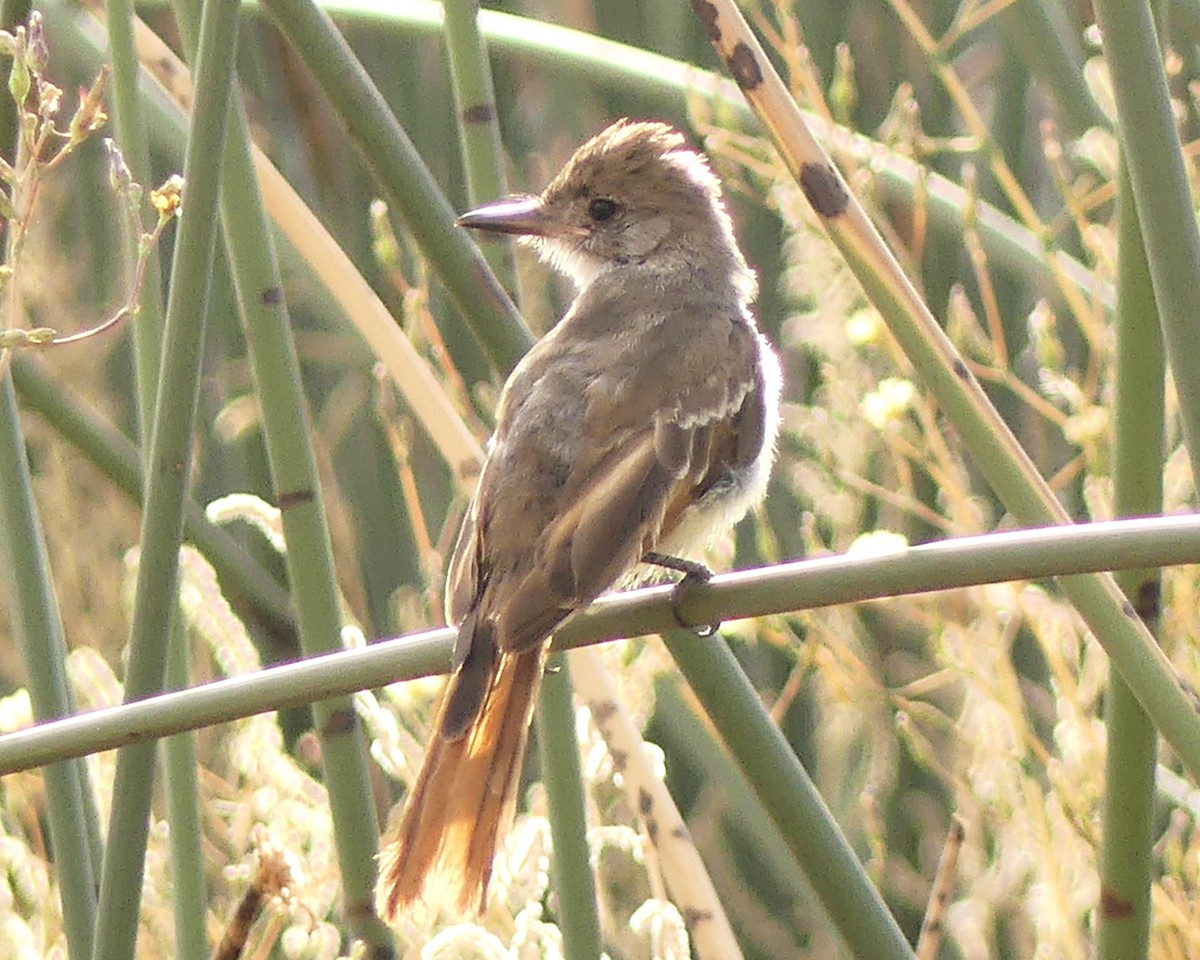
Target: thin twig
<point>933,927</point>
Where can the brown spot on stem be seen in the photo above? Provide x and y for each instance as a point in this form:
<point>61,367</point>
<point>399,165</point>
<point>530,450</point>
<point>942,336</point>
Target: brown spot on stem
<point>602,711</point>
<point>1148,600</point>
<point>824,189</point>
<point>340,722</point>
<point>709,17</point>
<point>294,498</point>
<point>744,66</point>
<point>479,113</point>
<point>1113,906</point>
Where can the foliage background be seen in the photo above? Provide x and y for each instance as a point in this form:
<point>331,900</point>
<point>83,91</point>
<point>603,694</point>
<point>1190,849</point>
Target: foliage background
<point>984,702</point>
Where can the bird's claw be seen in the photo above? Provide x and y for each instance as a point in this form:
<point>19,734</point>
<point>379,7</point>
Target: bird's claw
<point>693,572</point>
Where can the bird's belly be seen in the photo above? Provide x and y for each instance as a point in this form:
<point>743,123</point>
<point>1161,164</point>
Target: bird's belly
<point>719,510</point>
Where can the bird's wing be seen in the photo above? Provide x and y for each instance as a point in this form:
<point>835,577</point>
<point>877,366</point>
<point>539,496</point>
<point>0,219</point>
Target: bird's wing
<point>462,573</point>
<point>626,491</point>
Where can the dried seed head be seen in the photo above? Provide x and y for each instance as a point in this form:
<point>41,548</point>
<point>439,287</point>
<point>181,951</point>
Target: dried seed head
<point>168,198</point>
<point>89,115</point>
<point>37,53</point>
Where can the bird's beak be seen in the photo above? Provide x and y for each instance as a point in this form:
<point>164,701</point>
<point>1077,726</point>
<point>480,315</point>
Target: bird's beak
<point>525,216</point>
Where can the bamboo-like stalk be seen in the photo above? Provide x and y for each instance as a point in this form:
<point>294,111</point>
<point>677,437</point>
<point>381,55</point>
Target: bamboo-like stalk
<point>170,454</point>
<point>573,881</point>
<point>1126,852</point>
<point>311,573</point>
<point>179,752</point>
<point>131,138</point>
<point>189,892</point>
<point>1039,34</point>
<point>37,627</point>
<point>1158,175</point>
<point>253,592</point>
<point>790,797</point>
<point>808,584</point>
<point>1005,464</point>
<point>407,184</point>
<point>478,124</point>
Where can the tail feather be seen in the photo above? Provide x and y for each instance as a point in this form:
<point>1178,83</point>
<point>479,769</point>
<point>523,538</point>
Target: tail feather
<point>441,851</point>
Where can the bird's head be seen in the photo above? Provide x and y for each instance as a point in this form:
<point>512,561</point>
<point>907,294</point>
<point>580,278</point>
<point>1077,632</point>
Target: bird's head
<point>633,194</point>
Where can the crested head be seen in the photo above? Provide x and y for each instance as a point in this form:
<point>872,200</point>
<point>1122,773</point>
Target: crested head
<point>635,194</point>
<point>650,159</point>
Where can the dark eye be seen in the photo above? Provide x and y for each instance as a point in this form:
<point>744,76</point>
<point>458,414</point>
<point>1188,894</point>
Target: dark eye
<point>602,208</point>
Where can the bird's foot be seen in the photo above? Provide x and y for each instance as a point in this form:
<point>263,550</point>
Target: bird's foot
<point>693,572</point>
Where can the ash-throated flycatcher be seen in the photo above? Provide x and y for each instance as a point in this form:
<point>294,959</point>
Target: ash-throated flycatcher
<point>645,421</point>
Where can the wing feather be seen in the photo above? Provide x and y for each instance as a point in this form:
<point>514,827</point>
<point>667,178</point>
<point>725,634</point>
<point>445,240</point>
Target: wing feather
<point>538,545</point>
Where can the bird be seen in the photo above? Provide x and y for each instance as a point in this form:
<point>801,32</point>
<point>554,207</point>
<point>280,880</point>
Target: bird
<point>641,426</point>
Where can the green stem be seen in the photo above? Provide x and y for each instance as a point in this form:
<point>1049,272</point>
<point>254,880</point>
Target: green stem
<point>37,627</point>
<point>252,591</point>
<point>789,796</point>
<point>1039,34</point>
<point>575,908</point>
<point>809,584</point>
<point>188,891</point>
<point>287,685</point>
<point>131,137</point>
<point>1158,174</point>
<point>288,430</point>
<point>478,125</point>
<point>179,752</point>
<point>407,184</point>
<point>156,596</point>
<point>1126,853</point>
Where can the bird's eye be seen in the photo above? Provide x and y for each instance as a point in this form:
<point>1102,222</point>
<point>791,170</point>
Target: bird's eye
<point>602,208</point>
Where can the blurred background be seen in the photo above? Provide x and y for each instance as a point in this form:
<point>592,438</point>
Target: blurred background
<point>982,702</point>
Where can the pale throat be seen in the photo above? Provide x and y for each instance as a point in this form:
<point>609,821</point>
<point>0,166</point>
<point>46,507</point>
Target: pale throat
<point>567,257</point>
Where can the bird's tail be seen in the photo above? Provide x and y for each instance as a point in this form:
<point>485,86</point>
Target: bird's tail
<point>441,850</point>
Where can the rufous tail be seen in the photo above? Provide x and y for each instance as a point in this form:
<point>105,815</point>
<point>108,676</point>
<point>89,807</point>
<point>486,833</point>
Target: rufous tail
<point>440,852</point>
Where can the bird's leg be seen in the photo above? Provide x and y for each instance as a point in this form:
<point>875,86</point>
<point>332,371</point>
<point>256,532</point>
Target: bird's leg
<point>693,572</point>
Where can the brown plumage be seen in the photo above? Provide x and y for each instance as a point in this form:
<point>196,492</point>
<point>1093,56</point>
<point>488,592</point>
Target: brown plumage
<point>645,420</point>
<point>464,798</point>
